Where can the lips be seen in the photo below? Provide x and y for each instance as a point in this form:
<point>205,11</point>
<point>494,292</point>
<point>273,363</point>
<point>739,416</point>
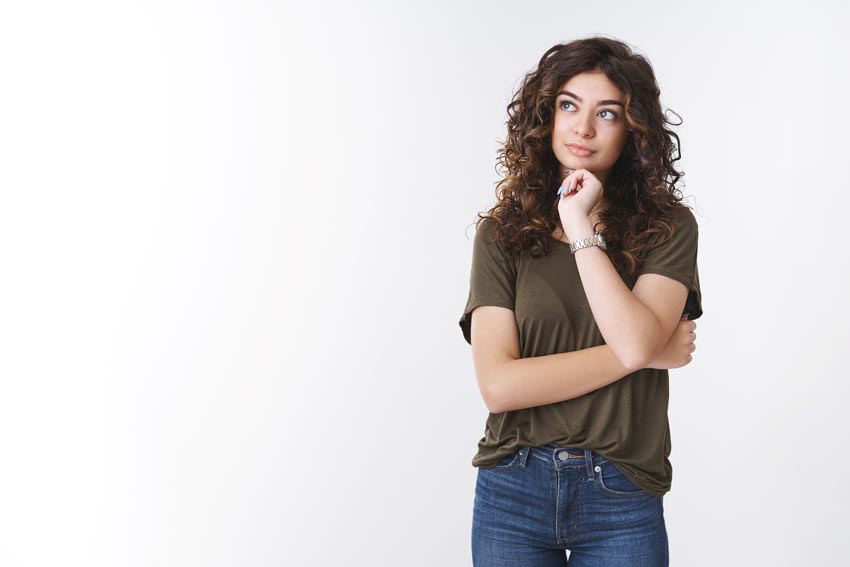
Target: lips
<point>579,150</point>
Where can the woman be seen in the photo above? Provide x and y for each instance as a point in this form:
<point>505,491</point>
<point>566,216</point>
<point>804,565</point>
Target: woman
<point>583,291</point>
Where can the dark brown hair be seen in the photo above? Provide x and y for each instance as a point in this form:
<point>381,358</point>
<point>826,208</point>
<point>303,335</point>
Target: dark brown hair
<point>641,185</point>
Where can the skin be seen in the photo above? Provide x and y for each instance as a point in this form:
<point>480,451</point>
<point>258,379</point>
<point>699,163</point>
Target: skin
<point>592,115</point>
<point>601,127</point>
<point>509,382</point>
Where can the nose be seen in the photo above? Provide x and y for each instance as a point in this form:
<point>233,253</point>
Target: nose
<point>582,126</point>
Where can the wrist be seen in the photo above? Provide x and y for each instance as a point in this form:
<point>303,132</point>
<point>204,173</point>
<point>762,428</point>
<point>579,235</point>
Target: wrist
<point>578,227</point>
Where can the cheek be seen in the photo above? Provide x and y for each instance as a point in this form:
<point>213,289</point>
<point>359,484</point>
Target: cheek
<point>560,124</point>
<point>618,143</point>
<point>557,139</point>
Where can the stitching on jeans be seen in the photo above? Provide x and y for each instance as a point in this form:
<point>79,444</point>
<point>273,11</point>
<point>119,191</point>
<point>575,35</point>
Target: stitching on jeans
<point>576,465</point>
<point>558,506</point>
<point>509,466</point>
<point>619,493</point>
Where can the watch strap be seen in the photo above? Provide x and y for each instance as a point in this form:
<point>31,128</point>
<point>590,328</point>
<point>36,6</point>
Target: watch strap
<point>587,241</point>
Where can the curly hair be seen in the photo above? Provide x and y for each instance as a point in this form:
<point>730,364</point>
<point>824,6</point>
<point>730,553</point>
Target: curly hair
<point>641,185</point>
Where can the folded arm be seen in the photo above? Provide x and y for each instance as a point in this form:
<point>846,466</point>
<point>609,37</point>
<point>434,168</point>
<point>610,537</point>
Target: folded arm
<point>508,382</point>
<point>635,323</point>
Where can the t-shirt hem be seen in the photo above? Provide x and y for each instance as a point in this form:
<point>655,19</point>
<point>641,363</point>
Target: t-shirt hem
<point>658,489</point>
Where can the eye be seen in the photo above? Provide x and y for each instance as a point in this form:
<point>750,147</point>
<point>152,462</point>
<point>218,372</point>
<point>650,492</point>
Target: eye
<point>613,114</point>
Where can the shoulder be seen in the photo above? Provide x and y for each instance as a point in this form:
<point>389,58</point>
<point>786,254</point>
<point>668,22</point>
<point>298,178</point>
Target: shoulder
<point>684,216</point>
<point>487,233</point>
<point>487,228</point>
<point>679,214</point>
<point>488,243</point>
<point>683,222</point>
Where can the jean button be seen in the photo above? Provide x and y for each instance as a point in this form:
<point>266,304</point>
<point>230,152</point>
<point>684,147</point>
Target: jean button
<point>563,455</point>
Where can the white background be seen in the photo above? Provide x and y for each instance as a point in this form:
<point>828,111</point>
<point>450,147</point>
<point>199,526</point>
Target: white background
<point>235,242</point>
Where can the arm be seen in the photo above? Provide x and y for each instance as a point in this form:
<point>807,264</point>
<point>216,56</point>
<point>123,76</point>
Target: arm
<point>636,324</point>
<point>508,382</point>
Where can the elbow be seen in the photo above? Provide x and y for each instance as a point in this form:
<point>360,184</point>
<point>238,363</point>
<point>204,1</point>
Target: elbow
<point>492,408</point>
<point>490,393</point>
<point>638,364</point>
<point>641,356</point>
<point>643,346</point>
<point>491,398</point>
<point>633,364</point>
<point>636,358</point>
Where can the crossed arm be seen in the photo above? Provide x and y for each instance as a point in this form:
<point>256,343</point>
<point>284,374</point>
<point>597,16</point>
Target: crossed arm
<point>636,325</point>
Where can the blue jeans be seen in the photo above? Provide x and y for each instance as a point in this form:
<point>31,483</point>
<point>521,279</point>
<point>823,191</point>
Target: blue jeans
<point>541,501</point>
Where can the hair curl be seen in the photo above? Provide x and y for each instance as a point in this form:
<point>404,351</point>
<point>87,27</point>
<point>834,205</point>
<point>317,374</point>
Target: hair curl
<point>641,185</point>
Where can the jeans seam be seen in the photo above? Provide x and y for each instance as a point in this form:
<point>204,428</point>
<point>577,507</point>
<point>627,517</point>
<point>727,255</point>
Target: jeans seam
<point>618,493</point>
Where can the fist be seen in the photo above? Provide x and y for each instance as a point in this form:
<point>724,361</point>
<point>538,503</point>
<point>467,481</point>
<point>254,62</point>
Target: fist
<point>677,352</point>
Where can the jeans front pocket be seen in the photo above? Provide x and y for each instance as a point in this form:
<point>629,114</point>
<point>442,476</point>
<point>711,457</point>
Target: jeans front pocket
<point>508,462</point>
<point>614,483</point>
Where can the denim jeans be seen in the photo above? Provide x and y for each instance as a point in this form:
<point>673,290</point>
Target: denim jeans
<point>540,502</point>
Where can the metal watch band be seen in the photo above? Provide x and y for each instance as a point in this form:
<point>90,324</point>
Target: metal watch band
<point>594,240</point>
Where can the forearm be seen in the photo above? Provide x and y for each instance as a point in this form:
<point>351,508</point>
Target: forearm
<point>541,380</point>
<point>626,324</point>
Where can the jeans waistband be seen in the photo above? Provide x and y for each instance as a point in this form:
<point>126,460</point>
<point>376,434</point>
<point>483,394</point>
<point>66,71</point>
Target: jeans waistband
<point>562,457</point>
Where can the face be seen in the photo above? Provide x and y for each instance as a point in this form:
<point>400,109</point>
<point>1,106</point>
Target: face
<point>589,112</point>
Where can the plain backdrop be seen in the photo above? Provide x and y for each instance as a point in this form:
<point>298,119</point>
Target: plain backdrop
<point>235,241</point>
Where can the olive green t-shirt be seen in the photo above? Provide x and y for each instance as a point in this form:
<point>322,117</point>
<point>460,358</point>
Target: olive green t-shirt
<point>625,421</point>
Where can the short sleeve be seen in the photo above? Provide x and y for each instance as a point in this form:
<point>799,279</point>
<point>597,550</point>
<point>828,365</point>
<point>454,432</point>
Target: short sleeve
<point>677,259</point>
<point>492,278</point>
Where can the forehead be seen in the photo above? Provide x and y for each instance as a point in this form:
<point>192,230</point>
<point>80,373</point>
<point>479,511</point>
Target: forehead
<point>592,84</point>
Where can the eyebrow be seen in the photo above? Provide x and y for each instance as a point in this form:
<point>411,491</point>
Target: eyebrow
<point>600,103</point>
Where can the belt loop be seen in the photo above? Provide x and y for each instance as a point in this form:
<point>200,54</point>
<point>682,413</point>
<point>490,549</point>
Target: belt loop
<point>588,461</point>
<point>523,454</point>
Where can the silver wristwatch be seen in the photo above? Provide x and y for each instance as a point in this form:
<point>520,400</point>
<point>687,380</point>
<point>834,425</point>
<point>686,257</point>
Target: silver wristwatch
<point>595,240</point>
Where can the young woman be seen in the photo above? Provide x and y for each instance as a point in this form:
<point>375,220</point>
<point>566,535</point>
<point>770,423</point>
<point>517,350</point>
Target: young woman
<point>583,291</point>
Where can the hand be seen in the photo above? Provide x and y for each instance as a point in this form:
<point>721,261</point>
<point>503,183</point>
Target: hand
<point>581,191</point>
<point>677,352</point>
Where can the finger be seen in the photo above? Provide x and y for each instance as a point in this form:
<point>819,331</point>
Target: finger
<point>569,182</point>
<point>572,180</point>
<point>564,189</point>
<point>583,174</point>
<point>578,179</point>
